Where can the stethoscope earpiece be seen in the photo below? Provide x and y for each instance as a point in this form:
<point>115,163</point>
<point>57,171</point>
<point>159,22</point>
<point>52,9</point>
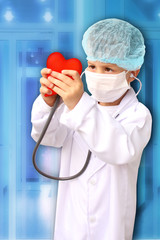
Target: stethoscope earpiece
<point>140,83</point>
<point>132,75</point>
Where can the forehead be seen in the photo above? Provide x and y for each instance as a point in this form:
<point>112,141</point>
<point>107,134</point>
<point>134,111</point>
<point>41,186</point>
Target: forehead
<point>105,65</point>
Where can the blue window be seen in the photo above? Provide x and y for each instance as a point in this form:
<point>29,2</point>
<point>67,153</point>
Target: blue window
<point>4,139</point>
<point>147,12</point>
<point>66,11</point>
<point>27,11</point>
<point>66,43</point>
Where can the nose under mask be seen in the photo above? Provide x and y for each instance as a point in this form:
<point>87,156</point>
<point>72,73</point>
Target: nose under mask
<point>106,87</point>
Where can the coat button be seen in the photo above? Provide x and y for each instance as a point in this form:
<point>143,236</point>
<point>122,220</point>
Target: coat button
<point>93,181</point>
<point>92,219</point>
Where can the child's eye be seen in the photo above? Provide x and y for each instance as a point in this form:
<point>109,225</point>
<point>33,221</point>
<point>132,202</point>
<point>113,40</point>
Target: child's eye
<point>108,70</point>
<point>91,67</point>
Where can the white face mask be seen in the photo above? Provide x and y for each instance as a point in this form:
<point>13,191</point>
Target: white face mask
<point>106,87</point>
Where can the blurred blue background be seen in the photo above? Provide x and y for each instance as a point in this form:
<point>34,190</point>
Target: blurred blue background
<point>29,31</point>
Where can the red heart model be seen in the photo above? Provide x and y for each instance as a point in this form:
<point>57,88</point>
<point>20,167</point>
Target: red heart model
<point>57,63</point>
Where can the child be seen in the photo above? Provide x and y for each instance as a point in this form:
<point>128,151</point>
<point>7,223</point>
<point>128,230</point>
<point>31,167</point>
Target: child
<point>112,124</point>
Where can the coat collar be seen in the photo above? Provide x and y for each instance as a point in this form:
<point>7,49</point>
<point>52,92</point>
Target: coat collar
<point>129,100</point>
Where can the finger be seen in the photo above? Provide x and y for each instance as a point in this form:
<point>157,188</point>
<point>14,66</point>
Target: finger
<point>44,90</point>
<point>67,80</point>
<point>58,83</point>
<point>45,72</point>
<point>59,91</point>
<point>46,82</point>
<point>74,74</point>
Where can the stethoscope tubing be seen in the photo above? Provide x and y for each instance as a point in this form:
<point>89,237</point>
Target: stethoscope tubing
<point>39,141</point>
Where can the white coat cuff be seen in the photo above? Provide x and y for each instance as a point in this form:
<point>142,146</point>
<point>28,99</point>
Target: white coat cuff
<point>42,105</point>
<point>74,118</point>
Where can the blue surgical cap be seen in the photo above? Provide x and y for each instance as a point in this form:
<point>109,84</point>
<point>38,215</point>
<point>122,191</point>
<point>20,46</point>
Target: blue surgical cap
<point>115,41</point>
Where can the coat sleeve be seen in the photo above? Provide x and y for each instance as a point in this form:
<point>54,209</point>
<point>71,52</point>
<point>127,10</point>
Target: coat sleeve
<point>112,141</point>
<point>56,132</point>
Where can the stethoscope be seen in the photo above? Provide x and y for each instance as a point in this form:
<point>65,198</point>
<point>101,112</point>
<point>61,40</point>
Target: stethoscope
<point>43,133</point>
<point>39,141</point>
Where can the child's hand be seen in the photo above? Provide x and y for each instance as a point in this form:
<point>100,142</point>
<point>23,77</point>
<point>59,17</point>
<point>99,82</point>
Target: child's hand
<point>71,90</point>
<point>45,83</point>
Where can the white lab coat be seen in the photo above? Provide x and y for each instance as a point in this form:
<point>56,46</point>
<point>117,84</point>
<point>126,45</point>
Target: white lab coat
<point>101,203</point>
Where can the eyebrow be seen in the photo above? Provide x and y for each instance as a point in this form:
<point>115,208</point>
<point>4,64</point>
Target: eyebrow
<point>106,65</point>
